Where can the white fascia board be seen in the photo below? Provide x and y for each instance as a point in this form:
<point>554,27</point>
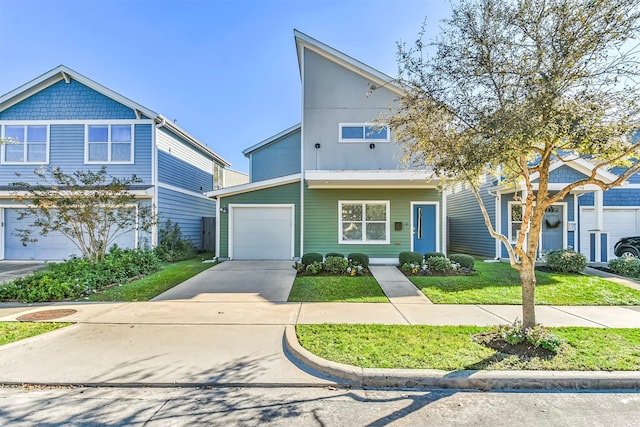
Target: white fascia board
<point>346,61</point>
<point>370,179</point>
<point>139,194</point>
<point>247,152</point>
<point>253,186</point>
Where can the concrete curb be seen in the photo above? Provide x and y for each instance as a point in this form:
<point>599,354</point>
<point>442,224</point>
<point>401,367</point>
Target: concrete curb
<point>474,380</point>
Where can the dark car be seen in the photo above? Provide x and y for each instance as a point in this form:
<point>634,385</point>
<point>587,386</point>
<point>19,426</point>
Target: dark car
<point>628,247</point>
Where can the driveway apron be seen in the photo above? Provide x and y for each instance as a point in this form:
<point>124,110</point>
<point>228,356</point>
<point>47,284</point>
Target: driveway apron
<point>237,281</point>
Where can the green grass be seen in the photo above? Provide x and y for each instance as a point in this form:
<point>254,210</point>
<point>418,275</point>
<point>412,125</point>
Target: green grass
<point>336,289</point>
<point>498,283</point>
<point>15,331</point>
<point>153,285</point>
<point>451,348</point>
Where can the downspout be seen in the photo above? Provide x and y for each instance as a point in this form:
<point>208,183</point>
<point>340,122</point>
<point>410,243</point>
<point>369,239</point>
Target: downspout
<point>498,209</point>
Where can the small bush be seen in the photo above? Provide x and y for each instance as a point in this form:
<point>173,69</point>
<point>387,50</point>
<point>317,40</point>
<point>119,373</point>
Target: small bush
<point>410,258</point>
<point>336,265</point>
<point>538,336</point>
<point>360,259</point>
<point>466,261</point>
<point>311,257</point>
<point>334,254</point>
<point>411,268</point>
<point>173,245</point>
<point>314,268</point>
<point>434,255</point>
<point>626,266</point>
<point>438,264</point>
<point>566,261</point>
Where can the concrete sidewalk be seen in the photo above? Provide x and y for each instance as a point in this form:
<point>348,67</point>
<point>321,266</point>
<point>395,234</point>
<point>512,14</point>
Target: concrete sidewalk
<point>224,327</point>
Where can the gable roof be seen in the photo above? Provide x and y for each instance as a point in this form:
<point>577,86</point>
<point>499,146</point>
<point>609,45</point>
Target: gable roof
<point>274,138</point>
<point>304,41</point>
<point>65,73</point>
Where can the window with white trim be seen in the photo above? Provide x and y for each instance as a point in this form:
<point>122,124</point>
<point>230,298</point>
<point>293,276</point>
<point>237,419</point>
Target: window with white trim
<point>363,222</point>
<point>515,220</point>
<point>25,144</point>
<point>109,144</point>
<point>363,132</point>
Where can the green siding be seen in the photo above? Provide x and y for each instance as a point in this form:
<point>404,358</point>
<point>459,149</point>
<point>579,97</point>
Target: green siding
<point>283,194</point>
<point>321,219</point>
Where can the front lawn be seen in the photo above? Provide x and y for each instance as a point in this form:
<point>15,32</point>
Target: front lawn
<point>451,348</point>
<point>498,283</point>
<point>153,285</point>
<point>14,331</point>
<point>336,289</point>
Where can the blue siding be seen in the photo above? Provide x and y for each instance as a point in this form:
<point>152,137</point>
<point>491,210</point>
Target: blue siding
<point>279,158</point>
<point>565,174</point>
<point>67,101</point>
<point>614,197</point>
<point>467,231</point>
<point>179,173</point>
<point>66,150</point>
<point>185,210</point>
<point>633,179</point>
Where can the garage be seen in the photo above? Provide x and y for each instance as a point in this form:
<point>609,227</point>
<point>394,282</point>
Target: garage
<point>262,232</point>
<point>53,246</point>
<point>618,222</point>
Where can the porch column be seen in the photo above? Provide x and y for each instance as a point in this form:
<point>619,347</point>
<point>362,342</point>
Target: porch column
<point>598,238</point>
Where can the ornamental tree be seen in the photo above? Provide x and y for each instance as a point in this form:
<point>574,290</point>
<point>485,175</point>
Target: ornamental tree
<point>515,85</point>
<point>91,209</point>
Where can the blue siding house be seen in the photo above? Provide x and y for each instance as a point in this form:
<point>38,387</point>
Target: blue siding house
<point>63,119</point>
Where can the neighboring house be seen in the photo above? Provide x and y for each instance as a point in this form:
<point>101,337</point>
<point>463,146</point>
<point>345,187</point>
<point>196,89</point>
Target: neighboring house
<point>335,182</point>
<point>588,220</point>
<point>66,120</point>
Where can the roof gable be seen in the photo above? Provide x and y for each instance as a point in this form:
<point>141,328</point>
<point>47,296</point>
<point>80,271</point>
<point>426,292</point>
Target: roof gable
<point>275,138</point>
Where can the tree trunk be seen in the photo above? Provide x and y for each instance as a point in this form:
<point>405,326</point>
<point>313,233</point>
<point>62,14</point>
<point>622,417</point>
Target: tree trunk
<point>528,283</point>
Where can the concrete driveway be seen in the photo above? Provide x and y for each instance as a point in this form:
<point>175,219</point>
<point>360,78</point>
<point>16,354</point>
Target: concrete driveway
<point>237,281</point>
<point>11,270</point>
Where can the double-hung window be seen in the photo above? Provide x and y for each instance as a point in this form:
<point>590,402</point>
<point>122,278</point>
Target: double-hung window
<point>515,220</point>
<point>363,222</point>
<point>363,132</point>
<point>25,144</point>
<point>109,144</point>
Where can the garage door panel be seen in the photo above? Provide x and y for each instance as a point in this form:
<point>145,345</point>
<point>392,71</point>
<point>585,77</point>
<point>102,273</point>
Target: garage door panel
<point>618,223</point>
<point>262,233</point>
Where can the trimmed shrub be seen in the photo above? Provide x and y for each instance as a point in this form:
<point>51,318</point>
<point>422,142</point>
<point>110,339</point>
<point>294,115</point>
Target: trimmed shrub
<point>434,254</point>
<point>626,266</point>
<point>438,264</point>
<point>466,261</point>
<point>336,265</point>
<point>311,257</point>
<point>566,261</point>
<point>334,254</point>
<point>314,268</point>
<point>359,258</point>
<point>410,258</point>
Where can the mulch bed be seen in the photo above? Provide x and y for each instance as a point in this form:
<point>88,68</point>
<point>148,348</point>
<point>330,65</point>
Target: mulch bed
<point>46,315</point>
<point>523,350</point>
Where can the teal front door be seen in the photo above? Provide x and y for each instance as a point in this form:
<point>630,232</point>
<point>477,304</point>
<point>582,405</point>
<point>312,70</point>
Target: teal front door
<point>553,229</point>
<point>424,228</point>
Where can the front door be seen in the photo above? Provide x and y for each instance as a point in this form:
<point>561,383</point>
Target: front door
<point>424,228</point>
<point>553,229</point>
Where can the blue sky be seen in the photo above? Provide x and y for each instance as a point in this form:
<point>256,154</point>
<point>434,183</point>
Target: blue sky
<point>225,70</point>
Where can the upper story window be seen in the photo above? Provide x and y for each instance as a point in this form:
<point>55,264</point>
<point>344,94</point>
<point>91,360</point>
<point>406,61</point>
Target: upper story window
<point>109,144</point>
<point>363,132</point>
<point>27,144</point>
<point>363,222</point>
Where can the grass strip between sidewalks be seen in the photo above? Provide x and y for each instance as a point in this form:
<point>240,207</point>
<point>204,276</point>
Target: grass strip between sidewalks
<point>14,331</point>
<point>336,289</point>
<point>153,285</point>
<point>452,348</point>
<point>498,283</point>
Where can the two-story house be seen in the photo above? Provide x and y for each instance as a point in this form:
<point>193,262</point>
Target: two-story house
<point>336,181</point>
<point>63,119</point>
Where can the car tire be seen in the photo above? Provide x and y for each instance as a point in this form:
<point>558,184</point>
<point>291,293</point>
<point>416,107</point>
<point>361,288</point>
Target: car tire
<point>629,253</point>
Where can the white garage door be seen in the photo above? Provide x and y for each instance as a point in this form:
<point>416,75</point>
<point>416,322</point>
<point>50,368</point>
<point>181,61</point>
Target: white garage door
<point>619,222</point>
<point>53,246</point>
<point>261,232</point>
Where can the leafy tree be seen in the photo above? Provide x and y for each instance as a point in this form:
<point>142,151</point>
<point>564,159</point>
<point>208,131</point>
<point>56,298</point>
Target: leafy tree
<point>514,86</point>
<point>91,209</point>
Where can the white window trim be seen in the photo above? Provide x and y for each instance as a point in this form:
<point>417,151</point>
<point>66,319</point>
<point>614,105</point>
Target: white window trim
<point>510,222</point>
<point>387,204</point>
<point>109,142</point>
<point>25,124</point>
<point>364,138</point>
